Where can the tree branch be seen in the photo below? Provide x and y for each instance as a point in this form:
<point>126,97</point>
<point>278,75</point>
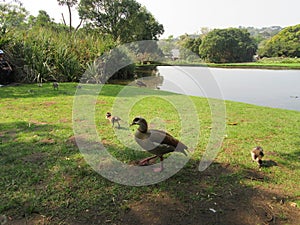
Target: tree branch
<point>63,19</point>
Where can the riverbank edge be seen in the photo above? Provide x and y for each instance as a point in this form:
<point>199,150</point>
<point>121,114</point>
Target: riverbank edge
<point>231,66</point>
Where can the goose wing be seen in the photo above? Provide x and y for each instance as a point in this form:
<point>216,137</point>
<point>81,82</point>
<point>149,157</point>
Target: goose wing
<point>163,138</point>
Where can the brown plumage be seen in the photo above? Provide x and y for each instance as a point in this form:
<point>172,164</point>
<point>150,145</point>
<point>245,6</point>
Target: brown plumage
<point>257,154</point>
<point>113,119</point>
<point>140,83</point>
<point>156,142</point>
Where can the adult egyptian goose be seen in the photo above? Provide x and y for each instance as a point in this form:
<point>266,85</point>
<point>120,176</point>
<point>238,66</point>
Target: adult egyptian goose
<point>113,119</point>
<point>156,142</point>
<point>139,82</point>
<point>257,154</point>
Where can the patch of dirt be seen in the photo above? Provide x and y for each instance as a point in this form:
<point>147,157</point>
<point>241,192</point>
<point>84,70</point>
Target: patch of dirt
<point>72,140</point>
<point>162,209</point>
<point>65,120</point>
<point>229,205</point>
<point>49,103</point>
<point>47,141</point>
<point>35,122</point>
<point>38,158</point>
<point>83,141</point>
<point>101,102</point>
<point>8,136</point>
<point>35,219</point>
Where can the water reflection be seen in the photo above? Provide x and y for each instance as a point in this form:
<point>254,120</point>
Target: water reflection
<point>148,76</point>
<point>272,88</point>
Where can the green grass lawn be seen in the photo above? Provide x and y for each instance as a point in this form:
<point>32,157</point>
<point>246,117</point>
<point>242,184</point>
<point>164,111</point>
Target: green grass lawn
<point>44,178</point>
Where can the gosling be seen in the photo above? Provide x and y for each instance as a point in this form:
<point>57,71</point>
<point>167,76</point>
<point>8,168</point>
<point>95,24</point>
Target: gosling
<point>113,119</point>
<point>257,154</point>
<point>55,85</point>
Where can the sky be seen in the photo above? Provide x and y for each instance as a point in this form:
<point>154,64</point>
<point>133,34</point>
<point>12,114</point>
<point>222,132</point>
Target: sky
<point>189,16</point>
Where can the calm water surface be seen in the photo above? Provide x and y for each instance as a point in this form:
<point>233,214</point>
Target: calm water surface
<point>272,88</point>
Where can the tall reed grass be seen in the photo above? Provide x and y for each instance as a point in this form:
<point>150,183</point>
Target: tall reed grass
<point>44,54</point>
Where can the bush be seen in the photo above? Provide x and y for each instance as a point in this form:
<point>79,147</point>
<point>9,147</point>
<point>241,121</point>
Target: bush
<point>228,46</point>
<point>285,44</point>
<point>43,54</point>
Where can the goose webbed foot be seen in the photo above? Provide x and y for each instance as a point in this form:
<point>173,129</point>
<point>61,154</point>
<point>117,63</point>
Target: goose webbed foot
<point>145,162</point>
<point>158,169</point>
<point>161,168</point>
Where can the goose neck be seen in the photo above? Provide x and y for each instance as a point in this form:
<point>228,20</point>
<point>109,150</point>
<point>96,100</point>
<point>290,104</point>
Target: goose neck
<point>143,128</point>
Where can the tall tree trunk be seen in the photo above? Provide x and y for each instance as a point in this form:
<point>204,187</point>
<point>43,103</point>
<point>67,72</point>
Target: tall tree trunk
<point>70,16</point>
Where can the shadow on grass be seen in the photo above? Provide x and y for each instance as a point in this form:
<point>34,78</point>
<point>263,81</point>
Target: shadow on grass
<point>63,189</point>
<point>215,196</point>
<point>289,158</point>
<point>269,163</point>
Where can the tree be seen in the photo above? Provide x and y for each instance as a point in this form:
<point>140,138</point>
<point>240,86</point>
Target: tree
<point>228,45</point>
<point>124,20</point>
<point>42,19</point>
<point>69,4</point>
<point>204,31</point>
<point>11,16</point>
<point>167,45</point>
<point>190,43</point>
<point>286,43</point>
<point>18,2</point>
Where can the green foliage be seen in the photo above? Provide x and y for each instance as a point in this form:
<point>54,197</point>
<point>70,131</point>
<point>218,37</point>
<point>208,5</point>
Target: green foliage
<point>167,45</point>
<point>115,66</point>
<point>125,21</point>
<point>189,44</point>
<point>41,50</point>
<point>228,45</point>
<point>12,17</point>
<point>42,19</point>
<point>264,33</point>
<point>70,3</point>
<point>42,54</point>
<point>286,43</point>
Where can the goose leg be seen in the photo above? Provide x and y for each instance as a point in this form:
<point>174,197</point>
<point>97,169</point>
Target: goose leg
<point>161,168</point>
<point>145,162</point>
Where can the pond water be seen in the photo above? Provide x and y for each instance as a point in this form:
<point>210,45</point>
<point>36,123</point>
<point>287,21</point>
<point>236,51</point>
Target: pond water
<point>272,88</point>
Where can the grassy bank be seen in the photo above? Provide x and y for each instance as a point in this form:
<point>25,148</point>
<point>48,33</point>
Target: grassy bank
<point>265,63</point>
<point>46,180</point>
<point>257,65</point>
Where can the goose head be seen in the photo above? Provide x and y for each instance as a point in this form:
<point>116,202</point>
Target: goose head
<point>108,114</point>
<point>143,126</point>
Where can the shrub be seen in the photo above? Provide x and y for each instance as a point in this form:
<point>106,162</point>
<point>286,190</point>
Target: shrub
<point>43,54</point>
